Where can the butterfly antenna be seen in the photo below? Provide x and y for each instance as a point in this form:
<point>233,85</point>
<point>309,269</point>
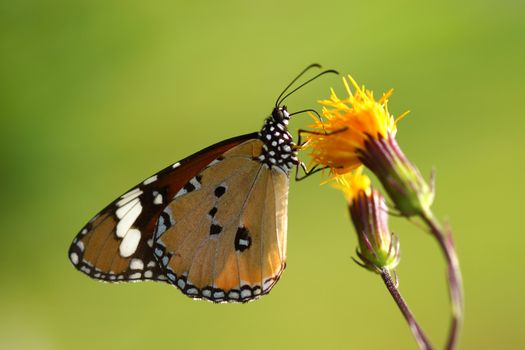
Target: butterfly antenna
<point>307,82</point>
<point>308,110</point>
<point>313,65</point>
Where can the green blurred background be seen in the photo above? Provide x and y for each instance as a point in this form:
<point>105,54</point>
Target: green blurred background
<point>97,95</point>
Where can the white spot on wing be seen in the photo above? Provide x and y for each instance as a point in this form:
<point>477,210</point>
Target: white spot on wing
<point>135,276</point>
<point>158,199</point>
<point>129,218</point>
<point>181,192</point>
<point>74,258</point>
<point>131,193</point>
<point>233,295</point>
<point>150,180</point>
<point>124,209</point>
<point>80,245</point>
<point>129,196</point>
<point>130,243</point>
<point>136,264</point>
<point>176,165</point>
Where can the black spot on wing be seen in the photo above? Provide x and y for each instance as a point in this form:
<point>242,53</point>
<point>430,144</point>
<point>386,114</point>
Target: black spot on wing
<point>243,240</point>
<point>215,229</point>
<point>212,212</point>
<point>219,191</point>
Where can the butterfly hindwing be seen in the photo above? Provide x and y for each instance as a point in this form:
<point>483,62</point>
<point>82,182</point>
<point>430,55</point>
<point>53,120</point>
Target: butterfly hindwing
<point>225,240</point>
<point>117,244</point>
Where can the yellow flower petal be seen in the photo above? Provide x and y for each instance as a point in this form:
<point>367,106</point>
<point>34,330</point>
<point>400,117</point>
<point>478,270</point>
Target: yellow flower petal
<point>352,183</point>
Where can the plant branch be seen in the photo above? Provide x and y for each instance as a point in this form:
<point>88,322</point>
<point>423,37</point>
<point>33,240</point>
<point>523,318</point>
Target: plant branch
<point>418,333</point>
<point>455,282</point>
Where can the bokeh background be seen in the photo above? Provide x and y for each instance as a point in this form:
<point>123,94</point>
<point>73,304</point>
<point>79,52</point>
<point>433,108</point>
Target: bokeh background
<point>97,95</point>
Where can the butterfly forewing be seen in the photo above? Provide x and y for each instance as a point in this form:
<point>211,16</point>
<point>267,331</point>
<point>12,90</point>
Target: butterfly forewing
<point>226,237</point>
<point>117,244</point>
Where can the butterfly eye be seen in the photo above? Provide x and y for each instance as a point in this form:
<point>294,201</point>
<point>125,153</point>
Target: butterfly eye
<point>279,114</point>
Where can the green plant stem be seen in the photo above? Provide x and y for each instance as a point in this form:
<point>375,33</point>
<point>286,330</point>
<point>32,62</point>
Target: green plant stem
<point>455,282</point>
<point>418,333</point>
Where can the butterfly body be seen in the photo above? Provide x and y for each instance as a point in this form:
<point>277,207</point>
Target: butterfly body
<point>214,224</point>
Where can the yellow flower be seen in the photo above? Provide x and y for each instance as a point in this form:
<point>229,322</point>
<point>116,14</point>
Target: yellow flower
<point>350,122</point>
<point>361,131</point>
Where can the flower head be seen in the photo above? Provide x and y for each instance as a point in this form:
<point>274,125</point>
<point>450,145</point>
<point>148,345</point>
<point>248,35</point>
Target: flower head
<point>378,247</point>
<point>349,123</point>
<point>361,131</point>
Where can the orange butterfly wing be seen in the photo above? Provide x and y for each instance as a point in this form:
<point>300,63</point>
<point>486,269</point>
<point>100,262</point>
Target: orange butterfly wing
<point>116,245</point>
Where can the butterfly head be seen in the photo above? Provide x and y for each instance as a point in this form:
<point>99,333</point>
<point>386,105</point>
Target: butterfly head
<point>280,115</point>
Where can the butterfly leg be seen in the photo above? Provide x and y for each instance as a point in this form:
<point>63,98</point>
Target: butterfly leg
<point>300,133</point>
<point>316,168</point>
<point>307,172</point>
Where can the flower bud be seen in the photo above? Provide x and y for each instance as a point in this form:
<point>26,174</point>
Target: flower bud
<point>378,247</point>
<point>402,181</point>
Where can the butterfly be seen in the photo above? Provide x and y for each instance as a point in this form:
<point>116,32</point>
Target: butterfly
<point>213,224</point>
